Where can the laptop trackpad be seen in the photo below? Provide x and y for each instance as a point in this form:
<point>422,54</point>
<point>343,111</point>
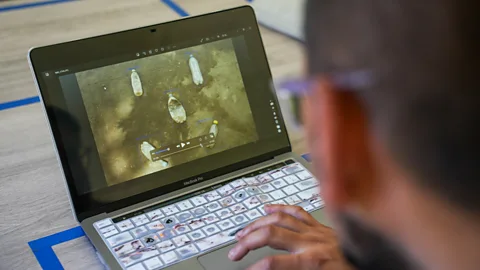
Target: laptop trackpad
<point>218,259</point>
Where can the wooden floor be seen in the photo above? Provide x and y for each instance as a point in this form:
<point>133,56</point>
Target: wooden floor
<point>33,200</point>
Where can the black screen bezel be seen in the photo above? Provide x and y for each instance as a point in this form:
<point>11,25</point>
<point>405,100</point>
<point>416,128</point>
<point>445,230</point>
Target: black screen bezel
<point>67,54</point>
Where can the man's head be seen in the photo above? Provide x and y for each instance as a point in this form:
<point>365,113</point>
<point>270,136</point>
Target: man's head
<point>398,160</point>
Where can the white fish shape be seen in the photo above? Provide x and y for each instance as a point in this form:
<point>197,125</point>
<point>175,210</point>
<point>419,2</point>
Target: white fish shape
<point>195,69</point>
<point>177,112</point>
<point>136,83</point>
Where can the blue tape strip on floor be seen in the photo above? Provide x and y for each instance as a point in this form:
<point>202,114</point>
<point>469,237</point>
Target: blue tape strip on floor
<point>18,103</point>
<point>43,251</point>
<point>180,11</point>
<point>31,5</point>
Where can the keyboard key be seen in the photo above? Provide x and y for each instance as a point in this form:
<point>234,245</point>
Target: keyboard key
<point>122,251</point>
<point>166,234</point>
<point>140,231</point>
<point>267,188</point>
<point>238,184</point>
<point>181,240</point>
<point>155,214</point>
<point>239,219</point>
<point>264,198</point>
<point>214,206</point>
<point>289,190</point>
<point>252,202</point>
<point>291,179</point>
<point>155,226</point>
<point>279,202</point>
<point>278,183</point>
<point>309,193</point>
<point>238,208</point>
<point>304,175</point>
<point>108,231</point>
<point>227,201</point>
<point>306,184</point>
<point>240,195</point>
<point>151,239</point>
<point>224,213</point>
<point>187,251</point>
<point>166,246</point>
<point>253,191</point>
<point>196,223</point>
<point>262,210</point>
<point>169,257</point>
<point>103,223</point>
<point>181,229</point>
<point>277,194</point>
<point>293,200</point>
<point>184,216</point>
<point>315,199</point>
<point>225,224</point>
<point>318,204</point>
<point>170,210</point>
<point>195,235</point>
<point>277,174</point>
<point>199,200</point>
<point>170,221</point>
<point>251,181</point>
<point>136,267</point>
<point>140,220</point>
<point>306,206</point>
<point>225,190</point>
<point>264,178</point>
<point>119,239</point>
<point>211,229</point>
<point>185,205</point>
<point>210,218</point>
<point>212,196</point>
<point>214,241</point>
<point>153,263</point>
<point>200,211</point>
<point>125,225</point>
<point>253,214</point>
<point>292,168</point>
<point>139,255</point>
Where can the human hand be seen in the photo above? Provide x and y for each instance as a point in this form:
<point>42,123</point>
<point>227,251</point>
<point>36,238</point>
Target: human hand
<point>310,244</point>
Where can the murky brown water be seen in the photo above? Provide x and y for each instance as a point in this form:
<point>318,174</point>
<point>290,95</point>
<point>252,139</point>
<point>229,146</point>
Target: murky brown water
<point>121,121</point>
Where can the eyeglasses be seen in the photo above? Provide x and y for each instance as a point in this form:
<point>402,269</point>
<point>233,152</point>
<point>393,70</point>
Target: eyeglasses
<point>291,92</point>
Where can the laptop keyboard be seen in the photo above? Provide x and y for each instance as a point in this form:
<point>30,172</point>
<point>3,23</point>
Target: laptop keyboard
<point>165,234</point>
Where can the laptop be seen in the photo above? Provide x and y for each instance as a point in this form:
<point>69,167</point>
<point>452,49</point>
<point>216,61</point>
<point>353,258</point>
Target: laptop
<point>171,140</point>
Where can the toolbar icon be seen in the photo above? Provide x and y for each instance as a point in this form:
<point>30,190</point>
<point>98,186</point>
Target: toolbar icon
<point>150,52</point>
<point>138,54</point>
<point>144,53</point>
<point>156,50</point>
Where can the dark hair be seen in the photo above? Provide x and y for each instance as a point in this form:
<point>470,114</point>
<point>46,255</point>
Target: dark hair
<point>425,100</point>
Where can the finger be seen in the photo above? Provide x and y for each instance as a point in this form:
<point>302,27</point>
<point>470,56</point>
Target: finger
<point>272,236</point>
<point>279,219</point>
<point>279,262</point>
<point>295,211</point>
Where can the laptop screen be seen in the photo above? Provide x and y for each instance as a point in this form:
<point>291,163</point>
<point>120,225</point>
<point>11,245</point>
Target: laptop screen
<point>156,112</point>
<point>146,118</point>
